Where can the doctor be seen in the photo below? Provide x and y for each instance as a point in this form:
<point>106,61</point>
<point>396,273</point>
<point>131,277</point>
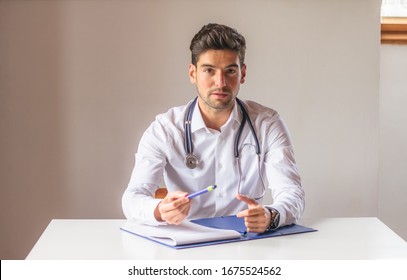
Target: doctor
<point>242,147</point>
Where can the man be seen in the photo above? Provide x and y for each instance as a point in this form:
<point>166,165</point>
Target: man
<point>241,147</point>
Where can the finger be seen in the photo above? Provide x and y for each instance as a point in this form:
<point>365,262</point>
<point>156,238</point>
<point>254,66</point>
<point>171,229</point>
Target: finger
<point>250,213</point>
<point>256,230</point>
<point>169,214</point>
<point>173,202</point>
<point>259,225</point>
<point>178,219</point>
<point>255,219</point>
<point>175,195</point>
<point>243,214</point>
<point>249,201</point>
<point>170,211</point>
<point>254,211</point>
<point>178,215</point>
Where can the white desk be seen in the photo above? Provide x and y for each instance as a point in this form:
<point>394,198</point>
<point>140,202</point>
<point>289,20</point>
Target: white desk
<point>336,239</point>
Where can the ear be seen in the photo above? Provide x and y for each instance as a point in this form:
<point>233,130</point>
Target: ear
<point>243,72</point>
<point>192,73</point>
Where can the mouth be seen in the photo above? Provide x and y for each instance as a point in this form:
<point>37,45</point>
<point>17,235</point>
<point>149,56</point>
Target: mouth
<point>220,94</point>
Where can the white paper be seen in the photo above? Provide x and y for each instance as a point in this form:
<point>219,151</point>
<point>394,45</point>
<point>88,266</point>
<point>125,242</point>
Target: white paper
<point>185,233</point>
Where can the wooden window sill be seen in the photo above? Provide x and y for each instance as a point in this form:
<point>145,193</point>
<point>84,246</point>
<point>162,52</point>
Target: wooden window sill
<point>394,30</point>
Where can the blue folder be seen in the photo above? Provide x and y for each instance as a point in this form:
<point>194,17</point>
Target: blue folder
<point>237,224</point>
<point>231,223</point>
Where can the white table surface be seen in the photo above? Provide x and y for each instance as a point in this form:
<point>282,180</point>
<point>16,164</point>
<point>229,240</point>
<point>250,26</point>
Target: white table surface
<point>336,239</point>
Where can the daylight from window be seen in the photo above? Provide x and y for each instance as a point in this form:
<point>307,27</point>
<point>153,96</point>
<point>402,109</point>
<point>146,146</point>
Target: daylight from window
<point>394,8</point>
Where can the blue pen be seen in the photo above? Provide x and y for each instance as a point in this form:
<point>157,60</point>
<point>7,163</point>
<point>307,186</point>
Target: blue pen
<point>205,190</point>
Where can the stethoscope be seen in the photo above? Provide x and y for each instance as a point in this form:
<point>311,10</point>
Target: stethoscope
<point>191,160</point>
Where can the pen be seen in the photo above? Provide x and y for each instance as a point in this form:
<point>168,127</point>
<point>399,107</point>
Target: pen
<point>205,190</point>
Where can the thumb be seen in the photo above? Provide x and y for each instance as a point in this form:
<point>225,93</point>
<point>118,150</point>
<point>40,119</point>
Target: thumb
<point>249,201</point>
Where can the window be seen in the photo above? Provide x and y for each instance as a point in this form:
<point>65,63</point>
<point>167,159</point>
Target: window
<point>394,22</point>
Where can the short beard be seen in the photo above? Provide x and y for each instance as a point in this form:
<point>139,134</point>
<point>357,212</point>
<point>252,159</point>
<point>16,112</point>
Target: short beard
<point>220,106</point>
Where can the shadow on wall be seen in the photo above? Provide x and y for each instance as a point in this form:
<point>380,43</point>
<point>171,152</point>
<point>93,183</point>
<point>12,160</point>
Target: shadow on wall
<point>32,174</point>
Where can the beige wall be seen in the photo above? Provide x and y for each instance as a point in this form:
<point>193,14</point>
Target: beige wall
<point>81,80</point>
<point>393,138</point>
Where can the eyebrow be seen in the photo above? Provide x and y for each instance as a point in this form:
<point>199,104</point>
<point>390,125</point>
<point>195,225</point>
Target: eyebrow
<point>233,65</point>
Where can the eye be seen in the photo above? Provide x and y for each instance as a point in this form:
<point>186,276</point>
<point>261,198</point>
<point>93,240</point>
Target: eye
<point>208,70</point>
<point>231,72</point>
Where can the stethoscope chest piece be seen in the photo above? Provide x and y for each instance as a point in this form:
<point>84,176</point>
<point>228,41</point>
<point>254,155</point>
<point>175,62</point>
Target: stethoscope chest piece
<point>191,161</point>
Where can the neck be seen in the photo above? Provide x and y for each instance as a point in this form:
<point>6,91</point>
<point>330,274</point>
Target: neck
<point>213,118</point>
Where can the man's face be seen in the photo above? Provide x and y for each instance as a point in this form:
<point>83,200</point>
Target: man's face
<point>217,76</point>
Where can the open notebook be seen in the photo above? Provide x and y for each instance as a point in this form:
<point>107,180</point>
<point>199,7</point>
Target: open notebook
<point>203,232</point>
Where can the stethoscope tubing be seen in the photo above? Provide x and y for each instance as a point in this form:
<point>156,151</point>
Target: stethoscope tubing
<point>188,145</point>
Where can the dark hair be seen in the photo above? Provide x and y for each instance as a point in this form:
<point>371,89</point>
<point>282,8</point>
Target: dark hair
<point>217,37</point>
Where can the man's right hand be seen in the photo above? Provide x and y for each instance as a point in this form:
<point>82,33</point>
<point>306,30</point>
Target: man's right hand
<point>174,208</point>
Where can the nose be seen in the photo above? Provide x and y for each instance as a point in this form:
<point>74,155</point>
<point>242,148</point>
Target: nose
<point>220,80</point>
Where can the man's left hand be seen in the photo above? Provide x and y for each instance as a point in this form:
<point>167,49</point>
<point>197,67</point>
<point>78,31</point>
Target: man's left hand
<point>256,217</point>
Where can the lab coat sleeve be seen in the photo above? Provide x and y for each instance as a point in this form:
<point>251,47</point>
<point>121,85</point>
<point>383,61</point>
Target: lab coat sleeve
<point>138,200</point>
<point>282,174</point>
